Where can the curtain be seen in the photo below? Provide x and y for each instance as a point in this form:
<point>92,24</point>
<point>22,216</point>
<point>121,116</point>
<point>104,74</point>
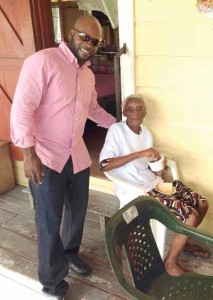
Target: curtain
<point>108,7</point>
<point>56,24</point>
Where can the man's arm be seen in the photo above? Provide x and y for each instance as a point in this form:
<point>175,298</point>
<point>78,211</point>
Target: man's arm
<point>32,165</point>
<point>28,94</point>
<point>100,115</point>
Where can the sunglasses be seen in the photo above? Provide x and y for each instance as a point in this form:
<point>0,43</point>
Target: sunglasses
<point>87,38</point>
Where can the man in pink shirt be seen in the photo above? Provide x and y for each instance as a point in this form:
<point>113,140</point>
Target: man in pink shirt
<point>54,97</point>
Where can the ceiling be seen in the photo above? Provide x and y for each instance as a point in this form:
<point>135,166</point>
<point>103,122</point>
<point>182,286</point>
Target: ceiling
<point>108,7</point>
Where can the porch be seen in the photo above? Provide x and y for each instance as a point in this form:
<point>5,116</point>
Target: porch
<point>18,255</point>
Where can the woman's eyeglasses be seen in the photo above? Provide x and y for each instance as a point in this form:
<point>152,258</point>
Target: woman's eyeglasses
<point>87,38</point>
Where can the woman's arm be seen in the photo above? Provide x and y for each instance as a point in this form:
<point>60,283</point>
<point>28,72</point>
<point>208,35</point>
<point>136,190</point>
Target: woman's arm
<point>116,162</point>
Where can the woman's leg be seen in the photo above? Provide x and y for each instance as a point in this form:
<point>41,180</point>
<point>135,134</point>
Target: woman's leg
<point>186,214</point>
<point>178,243</point>
<point>189,199</point>
<point>202,210</point>
<point>193,199</point>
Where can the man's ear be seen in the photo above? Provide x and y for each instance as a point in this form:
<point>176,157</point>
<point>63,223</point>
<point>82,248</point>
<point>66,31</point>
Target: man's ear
<point>124,112</point>
<point>71,33</point>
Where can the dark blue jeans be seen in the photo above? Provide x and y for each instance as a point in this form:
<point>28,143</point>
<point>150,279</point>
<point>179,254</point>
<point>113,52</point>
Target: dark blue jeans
<point>56,191</point>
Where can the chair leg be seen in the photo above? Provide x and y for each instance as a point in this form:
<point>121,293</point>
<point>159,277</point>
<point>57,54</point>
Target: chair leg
<point>27,190</point>
<point>159,232</point>
<point>31,201</point>
<point>103,222</point>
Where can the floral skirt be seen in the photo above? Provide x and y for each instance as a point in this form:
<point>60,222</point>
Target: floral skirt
<point>182,202</point>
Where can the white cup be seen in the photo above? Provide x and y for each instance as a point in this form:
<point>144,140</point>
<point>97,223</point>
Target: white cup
<point>157,165</point>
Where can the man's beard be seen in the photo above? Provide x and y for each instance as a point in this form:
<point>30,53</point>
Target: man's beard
<point>74,51</point>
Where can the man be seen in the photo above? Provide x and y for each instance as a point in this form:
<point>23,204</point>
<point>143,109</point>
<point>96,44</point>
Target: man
<point>54,96</point>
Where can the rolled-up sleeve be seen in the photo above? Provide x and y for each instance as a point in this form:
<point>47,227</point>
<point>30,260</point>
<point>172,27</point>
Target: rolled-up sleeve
<point>28,94</point>
<point>111,146</point>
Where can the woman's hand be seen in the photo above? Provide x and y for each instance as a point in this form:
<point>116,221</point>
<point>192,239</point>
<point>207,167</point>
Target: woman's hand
<point>162,172</point>
<point>150,153</point>
<point>165,163</point>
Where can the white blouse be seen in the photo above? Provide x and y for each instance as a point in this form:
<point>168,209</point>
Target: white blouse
<point>120,141</point>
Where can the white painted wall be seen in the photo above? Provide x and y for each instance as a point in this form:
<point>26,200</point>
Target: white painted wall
<point>126,35</point>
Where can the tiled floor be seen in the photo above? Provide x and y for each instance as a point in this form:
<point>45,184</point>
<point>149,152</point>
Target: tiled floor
<point>18,256</point>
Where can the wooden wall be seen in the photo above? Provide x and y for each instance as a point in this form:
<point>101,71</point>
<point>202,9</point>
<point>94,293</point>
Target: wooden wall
<point>174,72</point>
<point>26,26</point>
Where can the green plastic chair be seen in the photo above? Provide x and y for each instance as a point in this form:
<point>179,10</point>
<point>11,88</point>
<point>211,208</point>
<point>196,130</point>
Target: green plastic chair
<point>129,232</point>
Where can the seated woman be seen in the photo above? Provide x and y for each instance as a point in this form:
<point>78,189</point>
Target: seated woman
<point>127,150</point>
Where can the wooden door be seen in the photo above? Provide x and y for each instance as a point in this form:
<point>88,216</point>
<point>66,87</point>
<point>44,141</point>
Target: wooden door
<point>25,27</point>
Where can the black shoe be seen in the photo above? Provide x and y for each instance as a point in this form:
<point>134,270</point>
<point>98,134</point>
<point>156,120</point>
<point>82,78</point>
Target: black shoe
<point>49,295</point>
<point>52,297</point>
<point>79,267</point>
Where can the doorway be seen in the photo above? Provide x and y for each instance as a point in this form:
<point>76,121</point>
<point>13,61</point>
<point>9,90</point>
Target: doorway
<point>102,64</point>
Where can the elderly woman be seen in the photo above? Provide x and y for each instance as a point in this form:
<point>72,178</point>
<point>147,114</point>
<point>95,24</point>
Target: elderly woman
<point>127,150</point>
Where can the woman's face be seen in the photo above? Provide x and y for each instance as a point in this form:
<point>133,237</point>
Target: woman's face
<point>134,111</point>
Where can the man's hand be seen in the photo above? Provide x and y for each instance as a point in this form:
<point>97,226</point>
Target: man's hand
<point>32,165</point>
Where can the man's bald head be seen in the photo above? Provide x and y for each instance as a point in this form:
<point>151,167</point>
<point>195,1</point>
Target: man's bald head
<point>85,38</point>
<point>89,25</point>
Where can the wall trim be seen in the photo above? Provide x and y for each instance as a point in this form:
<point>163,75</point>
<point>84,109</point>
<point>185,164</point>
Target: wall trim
<point>126,35</point>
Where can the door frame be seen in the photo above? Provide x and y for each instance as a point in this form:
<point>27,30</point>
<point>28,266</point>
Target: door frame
<point>42,22</point>
<point>126,35</point>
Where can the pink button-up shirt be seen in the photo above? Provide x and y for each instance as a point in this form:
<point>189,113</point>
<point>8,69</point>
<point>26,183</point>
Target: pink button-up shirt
<point>53,99</point>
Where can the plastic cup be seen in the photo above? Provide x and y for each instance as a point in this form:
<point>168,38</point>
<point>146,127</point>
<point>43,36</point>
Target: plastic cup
<point>157,165</point>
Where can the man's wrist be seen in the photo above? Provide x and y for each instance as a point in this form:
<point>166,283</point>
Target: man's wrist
<point>30,151</point>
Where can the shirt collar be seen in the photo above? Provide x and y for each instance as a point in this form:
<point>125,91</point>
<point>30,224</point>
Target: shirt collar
<point>69,55</point>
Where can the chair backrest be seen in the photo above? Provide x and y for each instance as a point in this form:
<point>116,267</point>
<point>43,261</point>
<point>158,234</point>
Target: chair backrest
<point>130,229</point>
<point>158,229</point>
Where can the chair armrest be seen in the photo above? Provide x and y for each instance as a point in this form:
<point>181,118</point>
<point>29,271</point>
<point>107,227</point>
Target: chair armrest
<point>160,212</point>
<point>114,178</point>
<point>172,165</point>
